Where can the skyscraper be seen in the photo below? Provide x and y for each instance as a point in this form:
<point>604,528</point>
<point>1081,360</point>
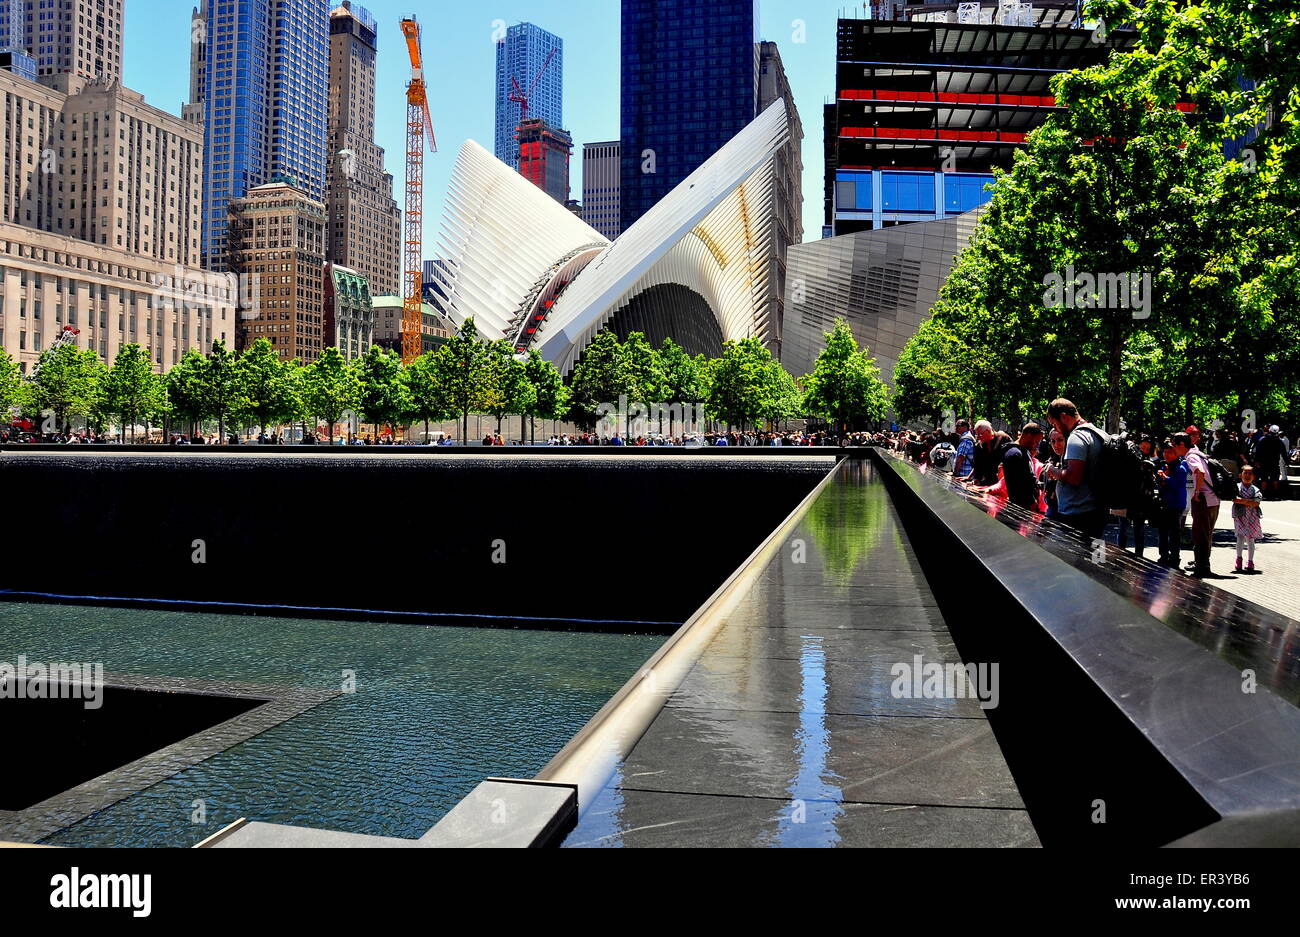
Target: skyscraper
<point>265,98</point>
<point>13,40</point>
<point>277,238</point>
<point>69,37</point>
<point>365,224</point>
<point>690,84</point>
<point>544,154</point>
<point>192,110</point>
<point>526,52</point>
<point>601,168</point>
<point>931,99</point>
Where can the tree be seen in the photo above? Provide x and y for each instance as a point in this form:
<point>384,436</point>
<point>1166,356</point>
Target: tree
<point>330,388</point>
<point>682,385</point>
<point>384,400</point>
<point>132,391</point>
<point>1090,246</point>
<point>459,366</point>
<point>67,384</point>
<point>267,389</point>
<point>506,388</point>
<point>184,384</point>
<point>845,386</point>
<point>784,399</point>
<point>11,385</point>
<point>218,387</point>
<point>601,378</point>
<point>741,386</point>
<point>426,392</point>
<point>550,396</point>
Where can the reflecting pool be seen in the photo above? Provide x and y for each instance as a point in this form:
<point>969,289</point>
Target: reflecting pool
<point>414,717</point>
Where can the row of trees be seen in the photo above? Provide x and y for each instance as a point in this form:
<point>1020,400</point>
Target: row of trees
<point>744,387</point>
<point>1123,186</point>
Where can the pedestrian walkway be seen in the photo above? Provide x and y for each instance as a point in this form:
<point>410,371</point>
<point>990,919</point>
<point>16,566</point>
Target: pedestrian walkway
<point>1277,585</point>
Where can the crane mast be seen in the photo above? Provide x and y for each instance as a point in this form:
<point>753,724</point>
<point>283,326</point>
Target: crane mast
<point>419,135</point>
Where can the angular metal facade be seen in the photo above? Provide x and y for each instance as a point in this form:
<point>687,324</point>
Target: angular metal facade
<point>883,283</point>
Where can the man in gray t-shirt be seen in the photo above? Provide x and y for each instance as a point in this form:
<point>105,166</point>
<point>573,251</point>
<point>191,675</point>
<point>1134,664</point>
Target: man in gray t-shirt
<point>1076,502</point>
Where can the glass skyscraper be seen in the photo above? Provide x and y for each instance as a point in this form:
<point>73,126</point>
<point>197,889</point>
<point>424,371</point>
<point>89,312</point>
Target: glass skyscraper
<point>690,84</point>
<point>13,45</point>
<point>266,104</point>
<point>521,56</point>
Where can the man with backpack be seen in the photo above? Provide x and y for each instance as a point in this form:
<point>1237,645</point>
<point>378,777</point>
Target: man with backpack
<point>1077,502</point>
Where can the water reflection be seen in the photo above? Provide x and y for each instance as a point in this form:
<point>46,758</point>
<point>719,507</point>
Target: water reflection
<point>810,818</point>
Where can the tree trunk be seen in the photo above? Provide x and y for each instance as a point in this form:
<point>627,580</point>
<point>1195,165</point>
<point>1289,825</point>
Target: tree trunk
<point>1114,377</point>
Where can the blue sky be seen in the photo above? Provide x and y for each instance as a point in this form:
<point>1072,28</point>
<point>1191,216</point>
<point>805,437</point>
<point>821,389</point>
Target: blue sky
<point>460,69</point>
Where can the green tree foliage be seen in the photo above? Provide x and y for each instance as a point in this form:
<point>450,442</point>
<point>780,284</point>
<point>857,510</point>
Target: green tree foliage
<point>459,366</point>
<point>185,389</point>
<point>645,370</point>
<point>550,399</point>
<point>67,385</point>
<point>268,390</point>
<point>506,388</point>
<point>845,386</point>
<point>601,377</point>
<point>330,388</point>
<point>11,385</point>
<point>744,388</point>
<point>218,387</point>
<point>1124,193</point>
<point>132,391</point>
<point>384,399</point>
<point>682,383</point>
<point>428,396</point>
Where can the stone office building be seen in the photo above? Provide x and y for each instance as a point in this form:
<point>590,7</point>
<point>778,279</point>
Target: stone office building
<point>99,224</point>
<point>277,244</point>
<point>349,312</point>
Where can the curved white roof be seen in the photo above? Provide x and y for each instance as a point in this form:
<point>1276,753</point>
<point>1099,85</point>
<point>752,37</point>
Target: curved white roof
<point>713,234</point>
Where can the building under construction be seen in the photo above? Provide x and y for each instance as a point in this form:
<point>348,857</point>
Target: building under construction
<point>930,97</point>
<point>544,154</point>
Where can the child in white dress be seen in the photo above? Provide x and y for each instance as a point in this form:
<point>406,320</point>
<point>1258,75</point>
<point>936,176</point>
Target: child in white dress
<point>1245,517</point>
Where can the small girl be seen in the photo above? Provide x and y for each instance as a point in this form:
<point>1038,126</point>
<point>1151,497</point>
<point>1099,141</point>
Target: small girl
<point>1245,516</point>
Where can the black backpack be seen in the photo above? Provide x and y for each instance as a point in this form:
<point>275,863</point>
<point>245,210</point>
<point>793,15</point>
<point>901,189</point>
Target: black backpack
<point>1120,479</point>
<point>1222,481</point>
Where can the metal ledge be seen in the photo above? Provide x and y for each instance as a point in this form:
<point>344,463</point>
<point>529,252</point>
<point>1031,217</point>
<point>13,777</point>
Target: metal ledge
<point>1239,752</point>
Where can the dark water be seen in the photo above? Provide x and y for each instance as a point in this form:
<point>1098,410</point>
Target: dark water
<point>436,710</point>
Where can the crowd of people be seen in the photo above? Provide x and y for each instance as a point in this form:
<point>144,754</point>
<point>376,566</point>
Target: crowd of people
<point>1068,469</point>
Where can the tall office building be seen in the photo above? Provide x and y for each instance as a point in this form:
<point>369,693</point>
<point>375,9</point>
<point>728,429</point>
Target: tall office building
<point>265,104</point>
<point>601,170</point>
<point>13,40</point>
<point>365,224</point>
<point>67,37</point>
<point>931,99</point>
<point>690,84</point>
<point>193,110</point>
<point>99,226</point>
<point>544,155</point>
<point>277,239</point>
<point>774,85</point>
<point>526,52</point>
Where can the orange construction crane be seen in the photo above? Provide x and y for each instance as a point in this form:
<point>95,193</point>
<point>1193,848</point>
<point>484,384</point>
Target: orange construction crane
<point>419,134</point>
